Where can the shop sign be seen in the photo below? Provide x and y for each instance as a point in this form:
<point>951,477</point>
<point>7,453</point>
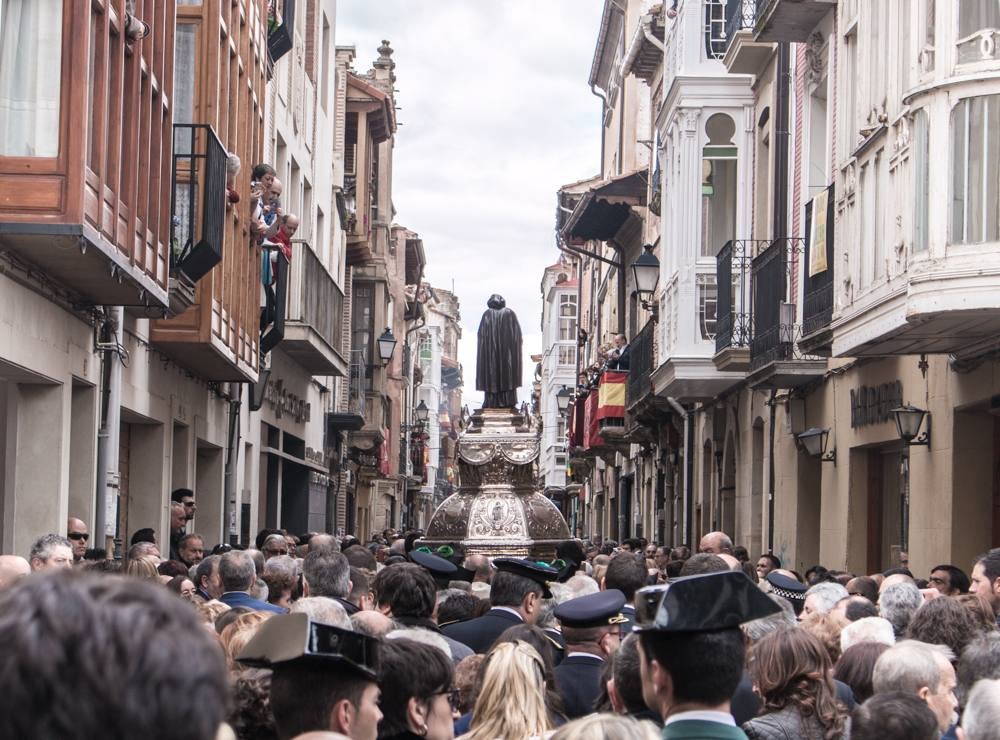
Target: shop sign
<point>874,404</point>
<point>316,457</point>
<point>282,402</point>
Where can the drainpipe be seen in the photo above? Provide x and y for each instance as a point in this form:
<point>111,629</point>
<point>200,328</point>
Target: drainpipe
<point>770,475</point>
<point>688,416</point>
<point>594,90</point>
<point>780,210</point>
<point>109,434</point>
<point>232,456</point>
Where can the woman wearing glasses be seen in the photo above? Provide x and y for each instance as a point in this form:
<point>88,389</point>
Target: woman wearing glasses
<point>416,684</point>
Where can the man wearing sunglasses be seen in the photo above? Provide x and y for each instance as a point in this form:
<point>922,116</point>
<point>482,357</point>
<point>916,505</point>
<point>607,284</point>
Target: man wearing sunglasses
<point>78,535</point>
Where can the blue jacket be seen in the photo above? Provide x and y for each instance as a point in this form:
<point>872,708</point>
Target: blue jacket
<point>234,599</point>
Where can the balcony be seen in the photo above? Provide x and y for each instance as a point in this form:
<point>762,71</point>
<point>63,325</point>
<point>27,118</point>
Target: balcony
<point>789,20</point>
<point>776,361</point>
<point>817,278</point>
<point>272,332</point>
<point>351,416</point>
<point>644,410</point>
<point>85,161</point>
<point>734,311</point>
<point>314,317</point>
<point>743,54</point>
<point>198,205</point>
<point>280,30</point>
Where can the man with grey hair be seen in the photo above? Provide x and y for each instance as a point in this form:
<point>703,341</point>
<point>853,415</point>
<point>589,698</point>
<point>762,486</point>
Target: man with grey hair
<point>981,719</point>
<point>238,575</point>
<point>51,551</point>
<point>898,602</point>
<point>821,598</point>
<point>716,543</point>
<point>323,541</point>
<point>372,623</point>
<point>866,629</point>
<point>979,660</point>
<point>324,610</point>
<point>785,619</point>
<point>206,579</point>
<point>924,670</point>
<point>328,573</point>
<point>143,550</point>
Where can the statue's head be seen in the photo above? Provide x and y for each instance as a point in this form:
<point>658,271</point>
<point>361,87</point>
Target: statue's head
<point>496,301</point>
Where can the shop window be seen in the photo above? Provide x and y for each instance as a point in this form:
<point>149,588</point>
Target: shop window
<point>30,77</point>
<point>975,158</point>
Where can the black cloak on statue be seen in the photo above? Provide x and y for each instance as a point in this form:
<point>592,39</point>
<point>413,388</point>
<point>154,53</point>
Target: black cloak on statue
<point>498,357</point>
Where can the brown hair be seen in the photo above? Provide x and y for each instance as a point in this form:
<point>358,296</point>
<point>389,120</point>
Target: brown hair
<point>943,621</point>
<point>237,634</point>
<point>980,610</point>
<point>825,628</point>
<point>792,668</point>
<point>855,668</point>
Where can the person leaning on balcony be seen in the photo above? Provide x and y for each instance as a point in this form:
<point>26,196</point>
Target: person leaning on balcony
<point>618,357</point>
<point>289,225</point>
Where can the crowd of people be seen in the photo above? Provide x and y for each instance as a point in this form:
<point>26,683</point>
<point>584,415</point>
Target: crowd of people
<point>315,636</point>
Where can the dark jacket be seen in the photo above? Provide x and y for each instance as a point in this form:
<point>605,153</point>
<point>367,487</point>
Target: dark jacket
<point>480,633</point>
<point>786,724</point>
<point>578,679</point>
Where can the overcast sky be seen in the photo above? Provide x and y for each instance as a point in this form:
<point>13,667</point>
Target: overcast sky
<point>496,114</point>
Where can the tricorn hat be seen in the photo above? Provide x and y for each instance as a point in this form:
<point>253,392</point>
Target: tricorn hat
<point>702,603</point>
<point>285,639</point>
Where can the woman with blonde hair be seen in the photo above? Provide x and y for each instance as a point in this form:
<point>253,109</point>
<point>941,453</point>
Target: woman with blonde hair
<point>237,634</point>
<point>144,567</point>
<point>600,726</point>
<point>511,702</point>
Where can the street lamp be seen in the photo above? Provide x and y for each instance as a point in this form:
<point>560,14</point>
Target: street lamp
<point>909,419</point>
<point>386,346</point>
<point>646,271</point>
<point>421,413</point>
<point>562,399</point>
<point>813,441</point>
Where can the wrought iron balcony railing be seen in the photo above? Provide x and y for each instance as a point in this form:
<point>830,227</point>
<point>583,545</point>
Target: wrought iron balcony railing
<point>774,329</point>
<point>198,200</point>
<point>734,312</point>
<point>640,354</point>
<point>740,15</point>
<point>817,277</point>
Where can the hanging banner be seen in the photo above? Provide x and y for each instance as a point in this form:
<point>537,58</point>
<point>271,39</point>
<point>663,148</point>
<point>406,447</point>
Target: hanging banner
<point>817,239</point>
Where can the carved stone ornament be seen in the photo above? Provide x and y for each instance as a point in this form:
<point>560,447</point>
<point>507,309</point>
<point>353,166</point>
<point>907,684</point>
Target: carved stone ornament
<point>816,57</point>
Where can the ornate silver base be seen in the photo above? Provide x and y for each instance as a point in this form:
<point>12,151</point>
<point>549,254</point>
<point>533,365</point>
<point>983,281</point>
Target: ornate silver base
<point>497,510</point>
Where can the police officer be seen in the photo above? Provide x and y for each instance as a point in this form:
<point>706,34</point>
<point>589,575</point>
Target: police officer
<point>592,628</point>
<point>692,651</point>
<point>516,592</point>
<point>323,677</point>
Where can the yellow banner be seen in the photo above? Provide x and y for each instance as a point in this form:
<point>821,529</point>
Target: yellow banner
<point>817,239</point>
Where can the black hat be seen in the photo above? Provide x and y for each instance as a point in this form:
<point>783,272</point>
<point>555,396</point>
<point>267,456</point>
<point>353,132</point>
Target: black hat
<point>592,610</point>
<point>285,639</point>
<point>703,603</point>
<point>146,534</point>
<point>442,570</point>
<point>788,588</point>
<point>539,572</point>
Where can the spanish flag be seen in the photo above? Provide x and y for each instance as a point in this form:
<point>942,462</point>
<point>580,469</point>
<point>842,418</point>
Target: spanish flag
<point>611,395</point>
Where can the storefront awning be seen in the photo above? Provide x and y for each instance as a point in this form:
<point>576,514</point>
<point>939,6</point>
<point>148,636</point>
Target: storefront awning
<point>603,210</point>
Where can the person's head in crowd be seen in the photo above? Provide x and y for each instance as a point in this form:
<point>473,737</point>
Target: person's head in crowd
<point>703,562</point>
<point>143,549</point>
<point>360,594</point>
<point>480,566</point>
<point>210,611</point>
<point>981,718</point>
<point>415,680</point>
<point>405,591</point>
<point>741,554</point>
<point>511,701</point>
<point>235,635</point>
<point>326,573</point>
<point>282,578</point>
<point>178,519</point>
<point>716,543</point>
<point>853,608</point>
<point>360,557</point>
<point>250,712</point>
<point>600,726</point>
<point>191,549</point>
<point>943,621</point>
<point>825,628</point>
<point>185,497</point>
<point>979,660</point>
<point>147,569</point>
<point>50,552</point>
<point>511,587</point>
<point>466,682</point>
<point>98,667</point>
<point>661,558</point>
<point>323,610</point>
<point>892,578</point>
<point>626,573</point>
<point>863,586</point>
<point>169,568</point>
<point>237,571</point>
<point>581,585</point>
<point>323,541</point>
<point>980,611</point>
<point>457,607</point>
<point>625,687</point>
<point>986,578</point>
<point>146,534</point>
<point>536,638</point>
<point>226,618</point>
<point>783,583</point>
<point>782,620</point>
<point>816,574</point>
<point>731,561</point>
<point>894,715</point>
<point>821,598</point>
<point>12,569</point>
<point>923,670</point>
<point>898,602</point>
<point>950,580</point>
<point>856,665</point>
<point>274,545</point>
<point>182,586</point>
<point>792,669</point>
<point>571,551</point>
<point>867,629</point>
<point>593,624</point>
<point>78,534</point>
<point>372,623</point>
<point>206,577</point>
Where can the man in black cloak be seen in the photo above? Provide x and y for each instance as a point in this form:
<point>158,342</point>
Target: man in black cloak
<point>498,359</point>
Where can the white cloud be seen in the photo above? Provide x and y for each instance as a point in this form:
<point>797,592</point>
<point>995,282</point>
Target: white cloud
<point>496,114</point>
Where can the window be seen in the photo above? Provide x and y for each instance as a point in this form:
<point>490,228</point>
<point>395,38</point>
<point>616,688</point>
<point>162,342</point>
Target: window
<point>567,355</point>
<point>975,158</point>
<point>324,72</point>
<point>978,20</point>
<point>708,296</point>
<point>567,317</point>
<point>362,318</point>
<point>185,54</point>
<point>921,161</point>
<point>30,77</point>
<point>715,29</point>
<point>718,185</point>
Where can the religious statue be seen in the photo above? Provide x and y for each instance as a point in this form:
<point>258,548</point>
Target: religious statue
<point>498,359</point>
